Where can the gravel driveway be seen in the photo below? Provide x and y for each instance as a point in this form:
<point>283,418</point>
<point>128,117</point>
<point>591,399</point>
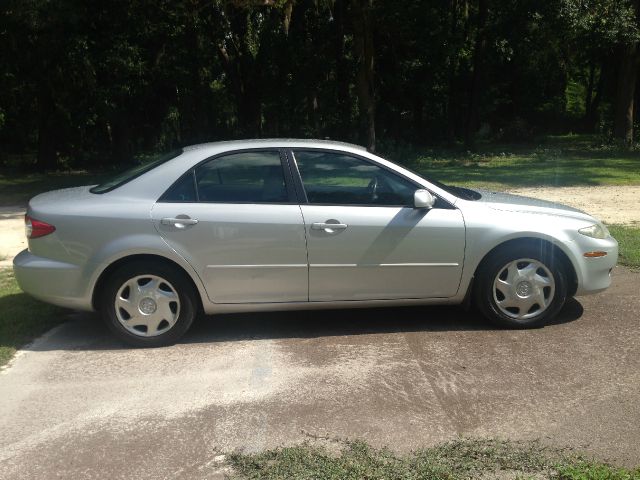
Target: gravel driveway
<point>12,239</point>
<point>611,204</point>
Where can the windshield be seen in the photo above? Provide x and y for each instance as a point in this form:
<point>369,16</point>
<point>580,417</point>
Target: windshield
<point>123,177</point>
<point>460,192</point>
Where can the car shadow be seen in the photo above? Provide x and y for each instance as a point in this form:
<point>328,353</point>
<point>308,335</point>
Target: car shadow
<point>87,332</point>
<point>348,322</point>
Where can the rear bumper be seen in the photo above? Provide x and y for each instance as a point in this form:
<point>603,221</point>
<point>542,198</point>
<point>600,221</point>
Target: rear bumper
<point>51,281</point>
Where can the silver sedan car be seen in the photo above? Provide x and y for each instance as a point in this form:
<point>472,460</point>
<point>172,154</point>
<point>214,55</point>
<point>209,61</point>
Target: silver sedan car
<point>296,224</point>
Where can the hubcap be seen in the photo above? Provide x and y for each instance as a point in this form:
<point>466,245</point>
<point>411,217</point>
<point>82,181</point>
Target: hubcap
<point>147,305</point>
<point>523,289</point>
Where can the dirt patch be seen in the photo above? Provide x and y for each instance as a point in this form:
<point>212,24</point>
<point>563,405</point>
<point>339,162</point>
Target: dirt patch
<point>611,204</point>
<point>12,239</point>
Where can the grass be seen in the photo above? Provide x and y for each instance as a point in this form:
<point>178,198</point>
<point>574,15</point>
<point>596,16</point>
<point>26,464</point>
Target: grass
<point>21,317</point>
<point>629,240</point>
<point>17,188</point>
<point>460,459</point>
<point>572,160</point>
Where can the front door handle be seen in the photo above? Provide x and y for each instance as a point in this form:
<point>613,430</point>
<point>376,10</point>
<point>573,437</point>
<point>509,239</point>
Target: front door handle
<point>181,221</point>
<point>330,226</point>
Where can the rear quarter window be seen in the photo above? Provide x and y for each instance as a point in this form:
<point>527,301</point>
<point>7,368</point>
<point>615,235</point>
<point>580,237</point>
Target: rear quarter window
<point>126,176</point>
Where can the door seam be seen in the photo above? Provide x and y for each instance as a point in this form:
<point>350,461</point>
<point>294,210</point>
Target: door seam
<point>306,246</point>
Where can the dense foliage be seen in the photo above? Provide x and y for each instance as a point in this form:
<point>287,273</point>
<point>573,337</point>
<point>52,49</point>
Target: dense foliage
<point>91,83</point>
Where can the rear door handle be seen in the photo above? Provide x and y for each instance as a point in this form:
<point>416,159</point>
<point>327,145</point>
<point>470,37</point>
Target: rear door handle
<point>330,226</point>
<point>181,221</point>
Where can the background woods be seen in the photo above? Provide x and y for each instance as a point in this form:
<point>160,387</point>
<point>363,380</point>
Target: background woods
<point>85,84</point>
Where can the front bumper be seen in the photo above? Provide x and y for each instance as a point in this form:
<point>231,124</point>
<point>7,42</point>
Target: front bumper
<point>52,281</point>
<point>594,274</point>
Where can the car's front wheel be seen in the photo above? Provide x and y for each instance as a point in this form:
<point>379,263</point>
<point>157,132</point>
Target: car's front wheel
<point>521,287</point>
<point>148,305</point>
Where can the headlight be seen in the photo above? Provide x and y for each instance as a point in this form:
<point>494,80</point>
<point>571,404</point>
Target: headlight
<point>595,231</point>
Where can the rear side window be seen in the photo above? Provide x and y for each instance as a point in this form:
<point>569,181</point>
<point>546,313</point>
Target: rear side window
<point>184,190</point>
<point>246,177</point>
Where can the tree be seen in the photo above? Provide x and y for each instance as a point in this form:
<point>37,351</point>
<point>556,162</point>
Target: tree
<point>610,28</point>
<point>362,11</point>
<point>629,63</point>
<point>475,89</point>
<point>85,85</point>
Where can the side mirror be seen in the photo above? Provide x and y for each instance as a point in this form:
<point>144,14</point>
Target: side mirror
<point>423,199</point>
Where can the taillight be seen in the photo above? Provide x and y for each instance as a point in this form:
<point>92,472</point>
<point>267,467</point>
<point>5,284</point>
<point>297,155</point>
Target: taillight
<point>35,228</point>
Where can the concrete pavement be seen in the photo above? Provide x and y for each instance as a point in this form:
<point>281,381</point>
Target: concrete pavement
<point>76,404</point>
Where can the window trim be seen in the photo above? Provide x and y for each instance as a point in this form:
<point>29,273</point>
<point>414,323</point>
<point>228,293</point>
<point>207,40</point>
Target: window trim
<point>303,195</point>
<point>286,173</point>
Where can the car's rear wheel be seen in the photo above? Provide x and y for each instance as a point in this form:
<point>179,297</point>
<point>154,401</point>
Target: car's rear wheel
<point>148,305</point>
<point>521,287</point>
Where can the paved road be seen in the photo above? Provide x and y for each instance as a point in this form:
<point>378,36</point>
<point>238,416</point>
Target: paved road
<point>78,405</point>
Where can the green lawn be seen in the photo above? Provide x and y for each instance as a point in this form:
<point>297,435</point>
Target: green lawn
<point>554,161</point>
<point>17,188</point>
<point>21,317</point>
<point>462,459</point>
<point>629,240</point>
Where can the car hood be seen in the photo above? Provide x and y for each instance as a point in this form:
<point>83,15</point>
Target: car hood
<point>517,203</point>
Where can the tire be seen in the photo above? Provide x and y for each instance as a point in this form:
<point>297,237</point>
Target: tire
<point>148,305</point>
<point>521,286</point>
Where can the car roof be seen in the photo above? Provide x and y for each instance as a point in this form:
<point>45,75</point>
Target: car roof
<point>155,180</point>
<point>272,143</point>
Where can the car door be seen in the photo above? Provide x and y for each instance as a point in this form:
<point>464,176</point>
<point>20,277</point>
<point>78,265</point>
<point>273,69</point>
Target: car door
<point>236,220</point>
<point>366,241</point>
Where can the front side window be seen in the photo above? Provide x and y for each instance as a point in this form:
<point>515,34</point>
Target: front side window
<point>340,179</point>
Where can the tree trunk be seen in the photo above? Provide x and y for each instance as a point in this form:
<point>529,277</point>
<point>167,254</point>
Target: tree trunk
<point>593,106</point>
<point>364,54</point>
<point>475,91</point>
<point>288,11</point>
<point>625,95</point>
<point>453,70</point>
<point>418,117</point>
<point>121,150</point>
<point>47,158</point>
<point>343,100</point>
<point>243,72</point>
<point>588,100</point>
<point>250,111</point>
<point>245,92</point>
<point>627,79</point>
